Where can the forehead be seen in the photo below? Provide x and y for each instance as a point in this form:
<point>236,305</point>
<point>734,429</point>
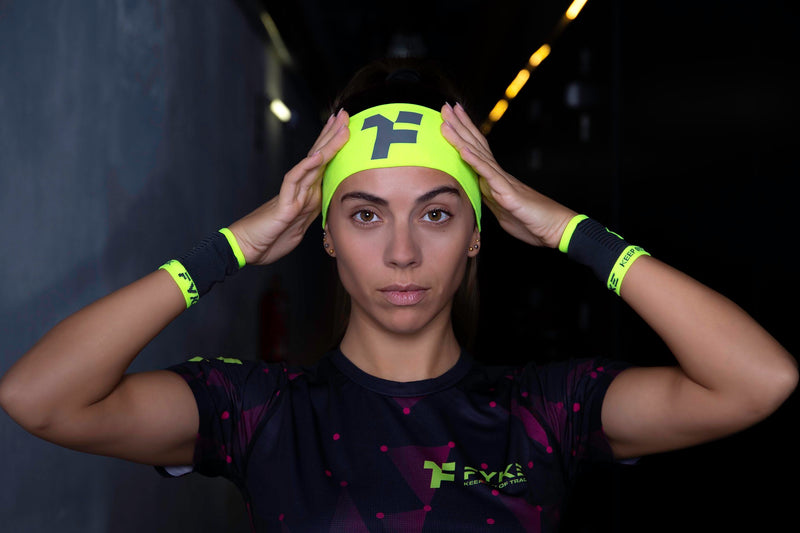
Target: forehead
<point>394,181</point>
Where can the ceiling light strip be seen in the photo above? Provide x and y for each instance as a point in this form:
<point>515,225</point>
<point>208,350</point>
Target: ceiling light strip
<point>524,75</point>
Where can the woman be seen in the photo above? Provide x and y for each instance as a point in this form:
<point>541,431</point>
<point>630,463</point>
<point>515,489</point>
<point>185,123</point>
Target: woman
<point>398,430</point>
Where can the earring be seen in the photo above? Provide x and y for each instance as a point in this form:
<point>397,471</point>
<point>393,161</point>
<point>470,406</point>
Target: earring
<point>327,245</point>
<point>475,246</point>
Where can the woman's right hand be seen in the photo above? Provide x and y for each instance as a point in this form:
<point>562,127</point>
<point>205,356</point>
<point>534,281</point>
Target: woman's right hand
<point>277,227</point>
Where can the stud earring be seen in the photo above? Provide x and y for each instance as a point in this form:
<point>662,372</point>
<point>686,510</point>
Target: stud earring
<point>326,244</point>
<point>475,246</point>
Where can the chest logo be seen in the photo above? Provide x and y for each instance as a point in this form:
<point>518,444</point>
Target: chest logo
<point>512,474</point>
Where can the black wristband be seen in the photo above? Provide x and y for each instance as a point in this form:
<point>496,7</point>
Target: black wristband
<point>596,247</point>
<point>209,262</point>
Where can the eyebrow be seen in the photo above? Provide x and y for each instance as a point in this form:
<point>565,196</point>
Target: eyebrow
<point>359,195</point>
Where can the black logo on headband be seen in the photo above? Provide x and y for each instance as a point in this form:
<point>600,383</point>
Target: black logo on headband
<point>387,135</point>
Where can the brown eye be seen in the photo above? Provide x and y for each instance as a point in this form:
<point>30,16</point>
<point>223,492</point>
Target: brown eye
<point>364,216</point>
<point>436,215</point>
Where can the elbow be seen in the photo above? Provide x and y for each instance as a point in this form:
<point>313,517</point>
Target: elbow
<point>777,388</point>
<point>16,401</point>
<point>788,382</point>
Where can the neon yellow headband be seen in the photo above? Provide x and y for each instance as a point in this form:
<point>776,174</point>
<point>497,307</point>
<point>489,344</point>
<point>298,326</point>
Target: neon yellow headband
<point>398,135</point>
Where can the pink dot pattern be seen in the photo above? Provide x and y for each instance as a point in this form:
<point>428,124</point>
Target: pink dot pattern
<point>546,415</point>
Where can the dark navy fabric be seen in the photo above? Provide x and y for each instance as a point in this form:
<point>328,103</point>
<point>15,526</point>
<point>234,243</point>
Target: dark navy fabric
<point>331,448</point>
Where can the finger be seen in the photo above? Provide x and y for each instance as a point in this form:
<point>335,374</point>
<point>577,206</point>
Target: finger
<point>460,122</point>
<point>465,119</point>
<point>330,130</point>
<point>455,137</point>
<point>337,138</point>
<point>483,163</point>
<point>325,128</point>
<point>326,146</point>
<point>313,170</point>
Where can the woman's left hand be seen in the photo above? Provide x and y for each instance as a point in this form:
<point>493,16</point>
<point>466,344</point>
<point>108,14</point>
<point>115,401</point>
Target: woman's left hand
<point>524,213</point>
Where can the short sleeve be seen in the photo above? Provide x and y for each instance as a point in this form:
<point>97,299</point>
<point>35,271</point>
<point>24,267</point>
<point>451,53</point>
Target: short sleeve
<point>234,399</point>
<point>568,398</point>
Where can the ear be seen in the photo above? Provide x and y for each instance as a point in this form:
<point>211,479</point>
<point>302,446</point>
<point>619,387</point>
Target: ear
<point>474,243</point>
<point>327,242</point>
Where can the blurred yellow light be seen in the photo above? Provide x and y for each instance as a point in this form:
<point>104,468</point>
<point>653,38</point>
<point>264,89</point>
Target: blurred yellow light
<point>499,108</point>
<point>575,8</point>
<point>518,83</point>
<point>539,55</point>
<point>280,110</point>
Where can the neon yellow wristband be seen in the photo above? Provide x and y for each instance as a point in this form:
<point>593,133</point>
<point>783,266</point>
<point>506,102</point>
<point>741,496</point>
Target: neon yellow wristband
<point>183,280</point>
<point>237,252</point>
<point>623,263</point>
<point>563,245</point>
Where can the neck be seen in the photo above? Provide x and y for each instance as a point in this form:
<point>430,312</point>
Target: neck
<point>402,357</point>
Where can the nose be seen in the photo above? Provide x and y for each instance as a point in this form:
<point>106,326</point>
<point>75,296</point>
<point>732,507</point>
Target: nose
<point>402,249</point>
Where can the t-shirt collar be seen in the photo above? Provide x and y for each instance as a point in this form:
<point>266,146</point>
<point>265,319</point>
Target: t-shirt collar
<point>401,389</point>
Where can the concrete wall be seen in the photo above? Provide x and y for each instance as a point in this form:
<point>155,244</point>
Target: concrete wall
<point>129,130</point>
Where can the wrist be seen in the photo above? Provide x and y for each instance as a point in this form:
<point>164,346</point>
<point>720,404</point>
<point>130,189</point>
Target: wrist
<point>607,254</point>
<point>209,262</point>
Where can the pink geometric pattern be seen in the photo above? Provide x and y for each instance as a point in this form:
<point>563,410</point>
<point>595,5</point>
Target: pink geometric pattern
<point>347,516</point>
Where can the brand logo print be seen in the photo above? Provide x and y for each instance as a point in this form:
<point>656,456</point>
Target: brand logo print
<point>437,473</point>
<point>386,134</point>
<point>512,474</point>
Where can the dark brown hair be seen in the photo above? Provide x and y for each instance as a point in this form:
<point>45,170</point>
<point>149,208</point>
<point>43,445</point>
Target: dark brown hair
<point>425,82</point>
<point>412,80</point>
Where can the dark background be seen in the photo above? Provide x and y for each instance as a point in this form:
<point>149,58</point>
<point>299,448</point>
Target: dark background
<point>131,129</point>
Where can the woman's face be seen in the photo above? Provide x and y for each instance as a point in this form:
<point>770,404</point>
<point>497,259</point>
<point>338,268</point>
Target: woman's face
<point>401,238</point>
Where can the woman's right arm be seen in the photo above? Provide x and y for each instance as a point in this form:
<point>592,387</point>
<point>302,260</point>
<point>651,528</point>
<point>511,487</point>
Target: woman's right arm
<point>71,388</point>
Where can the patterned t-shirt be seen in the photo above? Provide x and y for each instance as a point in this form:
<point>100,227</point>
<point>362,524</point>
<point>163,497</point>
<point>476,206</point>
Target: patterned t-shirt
<point>333,449</point>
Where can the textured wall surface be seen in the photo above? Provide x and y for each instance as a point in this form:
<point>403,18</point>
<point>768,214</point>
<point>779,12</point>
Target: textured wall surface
<point>128,130</point>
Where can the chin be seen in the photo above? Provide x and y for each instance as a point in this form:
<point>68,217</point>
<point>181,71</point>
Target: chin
<point>408,320</point>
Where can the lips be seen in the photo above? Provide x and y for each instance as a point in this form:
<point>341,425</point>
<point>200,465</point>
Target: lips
<point>403,295</point>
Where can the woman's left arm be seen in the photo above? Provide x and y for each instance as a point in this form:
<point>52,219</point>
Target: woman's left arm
<point>731,373</point>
